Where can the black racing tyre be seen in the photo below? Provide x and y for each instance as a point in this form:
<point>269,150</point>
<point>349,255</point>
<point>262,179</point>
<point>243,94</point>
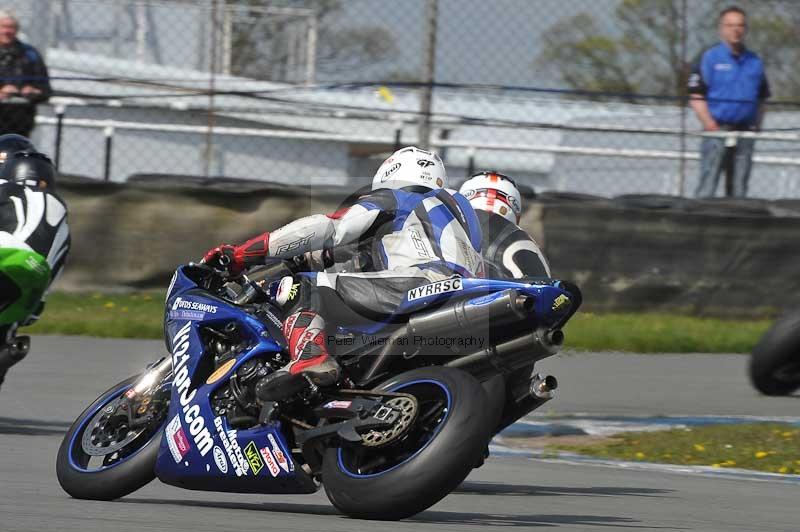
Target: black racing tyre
<point>444,443</point>
<point>775,361</point>
<point>119,473</point>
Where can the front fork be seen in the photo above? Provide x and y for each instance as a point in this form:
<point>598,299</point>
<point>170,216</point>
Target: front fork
<point>156,373</point>
<point>135,406</point>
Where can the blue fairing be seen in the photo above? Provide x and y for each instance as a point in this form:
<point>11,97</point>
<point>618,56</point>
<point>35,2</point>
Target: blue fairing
<point>199,450</point>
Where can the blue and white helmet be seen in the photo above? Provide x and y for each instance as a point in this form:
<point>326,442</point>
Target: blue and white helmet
<point>411,167</point>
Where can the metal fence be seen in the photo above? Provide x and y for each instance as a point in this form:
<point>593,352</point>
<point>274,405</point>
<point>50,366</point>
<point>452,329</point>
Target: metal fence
<point>584,96</point>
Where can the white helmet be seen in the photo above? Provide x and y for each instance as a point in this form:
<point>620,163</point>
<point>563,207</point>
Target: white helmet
<point>493,192</point>
<point>410,167</point>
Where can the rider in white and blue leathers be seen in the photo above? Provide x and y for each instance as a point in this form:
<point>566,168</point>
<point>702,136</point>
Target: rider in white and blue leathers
<point>418,237</point>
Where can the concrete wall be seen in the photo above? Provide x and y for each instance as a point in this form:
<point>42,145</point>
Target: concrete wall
<point>135,235</point>
<point>632,253</point>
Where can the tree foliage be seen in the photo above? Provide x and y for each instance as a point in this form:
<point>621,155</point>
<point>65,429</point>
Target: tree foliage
<point>272,46</point>
<point>642,51</point>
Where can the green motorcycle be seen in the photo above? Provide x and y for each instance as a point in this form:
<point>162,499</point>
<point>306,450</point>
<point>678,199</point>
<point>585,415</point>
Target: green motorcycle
<point>24,277</point>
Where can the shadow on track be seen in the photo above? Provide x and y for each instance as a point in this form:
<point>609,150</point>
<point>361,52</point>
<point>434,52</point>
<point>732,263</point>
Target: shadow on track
<point>278,507</point>
<point>32,427</point>
<point>492,488</point>
<point>472,519</point>
<point>430,517</point>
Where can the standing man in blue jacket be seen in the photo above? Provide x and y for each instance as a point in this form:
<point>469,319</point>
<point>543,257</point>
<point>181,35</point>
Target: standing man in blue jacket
<point>728,88</point>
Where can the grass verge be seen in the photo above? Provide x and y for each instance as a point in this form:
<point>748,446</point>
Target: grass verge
<point>770,447</point>
<point>137,315</point>
<point>662,333</point>
<point>140,316</point>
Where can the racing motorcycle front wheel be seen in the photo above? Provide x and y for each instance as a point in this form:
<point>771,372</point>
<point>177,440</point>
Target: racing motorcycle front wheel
<point>447,434</point>
<point>104,456</point>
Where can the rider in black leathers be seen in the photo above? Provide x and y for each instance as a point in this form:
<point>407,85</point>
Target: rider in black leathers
<point>508,251</point>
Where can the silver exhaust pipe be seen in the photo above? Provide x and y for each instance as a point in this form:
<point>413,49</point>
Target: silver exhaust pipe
<point>511,355</point>
<point>543,387</point>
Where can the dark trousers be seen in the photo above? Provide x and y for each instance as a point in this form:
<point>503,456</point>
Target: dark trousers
<point>17,118</point>
<point>735,160</point>
<point>359,298</point>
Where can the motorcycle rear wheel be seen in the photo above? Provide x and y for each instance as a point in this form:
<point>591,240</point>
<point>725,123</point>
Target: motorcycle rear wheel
<point>442,446</point>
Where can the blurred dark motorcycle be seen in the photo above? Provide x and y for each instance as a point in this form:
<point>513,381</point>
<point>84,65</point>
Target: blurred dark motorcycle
<point>775,361</point>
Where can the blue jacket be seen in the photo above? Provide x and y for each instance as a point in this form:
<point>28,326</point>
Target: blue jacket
<point>734,86</point>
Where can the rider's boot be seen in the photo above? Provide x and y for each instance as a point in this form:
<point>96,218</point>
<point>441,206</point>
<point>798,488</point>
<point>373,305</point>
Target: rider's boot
<point>305,334</point>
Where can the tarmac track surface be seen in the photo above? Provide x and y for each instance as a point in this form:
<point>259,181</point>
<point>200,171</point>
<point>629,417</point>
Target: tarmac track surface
<point>47,390</point>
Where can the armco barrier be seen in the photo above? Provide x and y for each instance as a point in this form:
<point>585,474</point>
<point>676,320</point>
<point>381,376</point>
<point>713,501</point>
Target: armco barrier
<point>662,253</point>
<point>711,257</point>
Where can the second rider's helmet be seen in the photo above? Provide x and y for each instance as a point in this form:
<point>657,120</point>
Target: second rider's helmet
<point>494,192</point>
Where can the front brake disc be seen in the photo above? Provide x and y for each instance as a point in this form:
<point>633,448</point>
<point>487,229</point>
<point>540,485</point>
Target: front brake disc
<point>104,435</point>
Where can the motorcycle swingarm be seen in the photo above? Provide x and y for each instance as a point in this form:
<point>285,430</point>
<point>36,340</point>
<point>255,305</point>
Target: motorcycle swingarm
<point>360,415</point>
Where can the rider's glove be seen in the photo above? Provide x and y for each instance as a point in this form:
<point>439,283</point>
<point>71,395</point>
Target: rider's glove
<point>223,255</point>
<point>238,258</point>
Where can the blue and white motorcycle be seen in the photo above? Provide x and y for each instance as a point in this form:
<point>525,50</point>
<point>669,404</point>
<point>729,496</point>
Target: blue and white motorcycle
<point>417,406</point>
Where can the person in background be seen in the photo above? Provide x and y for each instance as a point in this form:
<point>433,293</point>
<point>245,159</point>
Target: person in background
<point>727,91</point>
<point>24,81</point>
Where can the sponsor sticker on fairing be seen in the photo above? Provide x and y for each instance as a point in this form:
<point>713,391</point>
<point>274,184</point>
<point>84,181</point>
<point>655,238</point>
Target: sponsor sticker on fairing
<point>219,459</point>
<point>270,461</point>
<point>192,315</point>
<point>253,458</point>
<point>187,304</point>
<point>440,287</point>
<point>560,302</point>
<point>232,449</point>
<point>176,439</point>
<point>181,384</point>
<point>280,457</point>
<point>338,404</point>
<point>221,371</point>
